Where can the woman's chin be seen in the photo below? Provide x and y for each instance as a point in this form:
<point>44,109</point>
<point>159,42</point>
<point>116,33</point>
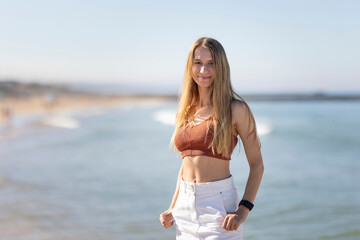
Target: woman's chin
<point>204,84</point>
<point>208,85</point>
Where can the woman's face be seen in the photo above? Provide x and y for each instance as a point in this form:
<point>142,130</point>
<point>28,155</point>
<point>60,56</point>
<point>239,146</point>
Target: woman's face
<point>203,69</point>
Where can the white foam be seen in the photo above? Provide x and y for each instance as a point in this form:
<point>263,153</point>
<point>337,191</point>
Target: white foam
<point>263,128</point>
<point>166,117</point>
<point>61,122</point>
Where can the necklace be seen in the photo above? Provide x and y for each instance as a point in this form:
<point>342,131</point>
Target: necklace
<point>201,109</point>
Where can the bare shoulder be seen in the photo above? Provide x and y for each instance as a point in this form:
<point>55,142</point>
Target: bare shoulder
<point>239,111</point>
<point>242,119</point>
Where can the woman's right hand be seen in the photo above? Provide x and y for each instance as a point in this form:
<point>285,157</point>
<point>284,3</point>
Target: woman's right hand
<point>166,219</point>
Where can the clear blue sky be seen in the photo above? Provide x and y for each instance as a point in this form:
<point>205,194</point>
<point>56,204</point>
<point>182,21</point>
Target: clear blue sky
<point>304,45</point>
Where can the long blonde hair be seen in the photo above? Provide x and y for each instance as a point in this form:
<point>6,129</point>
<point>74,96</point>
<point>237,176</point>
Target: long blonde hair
<point>222,96</point>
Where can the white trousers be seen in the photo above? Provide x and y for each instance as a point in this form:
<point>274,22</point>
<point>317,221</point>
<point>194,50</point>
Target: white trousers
<point>201,208</point>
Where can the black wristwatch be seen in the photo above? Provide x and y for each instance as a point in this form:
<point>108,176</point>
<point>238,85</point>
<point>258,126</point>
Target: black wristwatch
<point>247,204</point>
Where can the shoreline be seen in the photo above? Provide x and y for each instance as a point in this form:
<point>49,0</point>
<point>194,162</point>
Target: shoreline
<point>13,108</point>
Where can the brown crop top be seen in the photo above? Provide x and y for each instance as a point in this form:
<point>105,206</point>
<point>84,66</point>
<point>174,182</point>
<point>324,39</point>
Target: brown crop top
<point>193,140</point>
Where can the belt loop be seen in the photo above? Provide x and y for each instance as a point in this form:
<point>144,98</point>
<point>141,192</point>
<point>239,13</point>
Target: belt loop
<point>183,186</point>
<point>193,188</point>
<point>213,190</point>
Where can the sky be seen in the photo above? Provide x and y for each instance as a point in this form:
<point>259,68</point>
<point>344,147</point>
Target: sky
<point>272,46</point>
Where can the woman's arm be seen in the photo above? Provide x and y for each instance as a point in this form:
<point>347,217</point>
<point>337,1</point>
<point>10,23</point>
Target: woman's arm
<point>166,218</point>
<point>176,194</point>
<point>244,124</point>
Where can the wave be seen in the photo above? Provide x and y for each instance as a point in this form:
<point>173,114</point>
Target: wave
<point>61,122</point>
<point>166,117</point>
<point>24,125</point>
<point>263,128</point>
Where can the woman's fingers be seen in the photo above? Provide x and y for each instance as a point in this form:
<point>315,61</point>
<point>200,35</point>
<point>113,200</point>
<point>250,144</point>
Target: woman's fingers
<point>168,225</point>
<point>231,222</point>
<point>166,219</point>
<point>225,223</point>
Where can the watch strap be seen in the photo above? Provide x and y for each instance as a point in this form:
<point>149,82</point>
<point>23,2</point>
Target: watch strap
<point>247,204</point>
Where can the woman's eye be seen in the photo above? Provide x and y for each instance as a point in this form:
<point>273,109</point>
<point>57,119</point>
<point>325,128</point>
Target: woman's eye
<point>197,62</point>
<point>211,63</point>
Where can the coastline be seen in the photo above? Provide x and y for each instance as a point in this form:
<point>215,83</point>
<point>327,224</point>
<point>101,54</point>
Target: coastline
<point>37,105</point>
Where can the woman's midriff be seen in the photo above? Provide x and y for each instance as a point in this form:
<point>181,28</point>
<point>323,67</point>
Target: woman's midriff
<point>204,169</point>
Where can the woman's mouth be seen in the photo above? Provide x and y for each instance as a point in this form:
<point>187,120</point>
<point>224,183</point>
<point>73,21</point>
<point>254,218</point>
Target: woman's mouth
<point>204,78</point>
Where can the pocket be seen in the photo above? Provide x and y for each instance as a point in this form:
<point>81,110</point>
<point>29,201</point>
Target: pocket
<point>230,200</point>
<point>222,206</point>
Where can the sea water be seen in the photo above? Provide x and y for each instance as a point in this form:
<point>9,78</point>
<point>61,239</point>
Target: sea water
<point>111,175</point>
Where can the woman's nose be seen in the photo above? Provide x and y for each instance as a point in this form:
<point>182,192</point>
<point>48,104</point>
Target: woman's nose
<point>203,68</point>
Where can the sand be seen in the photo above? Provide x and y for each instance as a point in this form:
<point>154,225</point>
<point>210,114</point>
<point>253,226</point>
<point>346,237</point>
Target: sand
<point>12,108</point>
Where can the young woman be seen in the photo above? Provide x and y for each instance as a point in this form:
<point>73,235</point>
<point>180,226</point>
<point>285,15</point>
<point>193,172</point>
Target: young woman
<point>209,119</point>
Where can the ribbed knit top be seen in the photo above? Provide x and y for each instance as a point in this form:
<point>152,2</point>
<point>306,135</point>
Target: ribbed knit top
<point>195,140</point>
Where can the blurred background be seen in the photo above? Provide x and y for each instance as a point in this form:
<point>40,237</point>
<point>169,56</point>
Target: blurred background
<point>88,96</point>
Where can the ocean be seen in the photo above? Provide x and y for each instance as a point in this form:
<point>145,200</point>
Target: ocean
<point>108,174</point>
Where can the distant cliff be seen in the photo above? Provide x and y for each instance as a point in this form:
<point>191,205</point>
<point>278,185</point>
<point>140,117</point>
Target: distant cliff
<point>15,89</point>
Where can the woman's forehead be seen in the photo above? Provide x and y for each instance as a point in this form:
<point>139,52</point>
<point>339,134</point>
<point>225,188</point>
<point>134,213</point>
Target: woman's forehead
<point>202,53</point>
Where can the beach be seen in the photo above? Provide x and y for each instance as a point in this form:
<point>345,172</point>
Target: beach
<point>57,101</point>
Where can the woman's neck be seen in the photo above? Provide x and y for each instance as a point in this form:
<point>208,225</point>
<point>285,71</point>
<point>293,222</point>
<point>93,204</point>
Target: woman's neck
<point>204,97</point>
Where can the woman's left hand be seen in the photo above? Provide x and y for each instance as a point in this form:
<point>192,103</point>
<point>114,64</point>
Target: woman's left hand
<point>233,220</point>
